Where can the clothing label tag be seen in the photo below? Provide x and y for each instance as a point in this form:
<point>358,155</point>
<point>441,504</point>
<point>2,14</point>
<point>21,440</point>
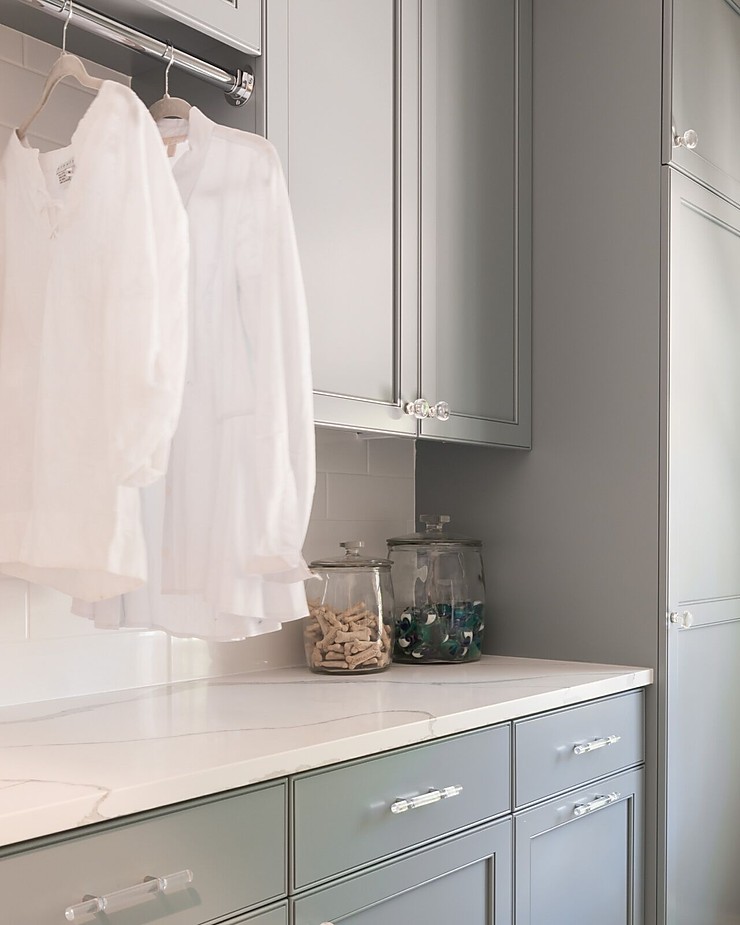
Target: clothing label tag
<point>171,143</point>
<point>66,171</point>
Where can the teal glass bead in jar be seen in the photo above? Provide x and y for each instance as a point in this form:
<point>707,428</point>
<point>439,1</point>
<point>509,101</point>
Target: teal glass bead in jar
<point>439,593</point>
<point>349,629</point>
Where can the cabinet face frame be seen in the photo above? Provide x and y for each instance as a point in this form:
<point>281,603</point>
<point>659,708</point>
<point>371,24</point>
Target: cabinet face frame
<point>342,408</point>
<point>462,426</point>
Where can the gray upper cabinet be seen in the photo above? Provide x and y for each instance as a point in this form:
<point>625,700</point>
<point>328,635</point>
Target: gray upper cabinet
<point>235,22</point>
<point>703,84</point>
<point>476,224</point>
<point>404,130</point>
<point>340,79</point>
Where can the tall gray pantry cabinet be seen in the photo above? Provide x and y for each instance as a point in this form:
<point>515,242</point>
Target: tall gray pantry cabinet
<point>404,130</point>
<point>617,538</point>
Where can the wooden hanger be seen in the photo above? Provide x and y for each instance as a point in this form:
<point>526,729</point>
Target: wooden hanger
<point>170,107</point>
<point>66,65</point>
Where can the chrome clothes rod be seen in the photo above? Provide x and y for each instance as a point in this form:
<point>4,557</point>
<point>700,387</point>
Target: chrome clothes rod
<point>237,86</point>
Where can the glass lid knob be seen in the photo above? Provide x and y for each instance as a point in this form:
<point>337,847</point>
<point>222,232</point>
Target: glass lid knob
<point>434,522</point>
<point>353,547</point>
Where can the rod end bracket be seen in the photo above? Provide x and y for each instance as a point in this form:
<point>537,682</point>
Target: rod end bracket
<point>241,92</point>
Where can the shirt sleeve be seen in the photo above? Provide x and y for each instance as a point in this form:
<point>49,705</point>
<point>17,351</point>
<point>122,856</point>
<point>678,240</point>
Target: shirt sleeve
<point>273,308</point>
<point>148,337</point>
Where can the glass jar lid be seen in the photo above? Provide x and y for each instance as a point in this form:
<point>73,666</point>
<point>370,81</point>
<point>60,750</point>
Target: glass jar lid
<point>433,534</point>
<point>352,559</point>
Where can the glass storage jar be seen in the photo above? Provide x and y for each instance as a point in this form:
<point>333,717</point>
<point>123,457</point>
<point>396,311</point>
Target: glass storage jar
<point>349,629</point>
<point>439,593</point>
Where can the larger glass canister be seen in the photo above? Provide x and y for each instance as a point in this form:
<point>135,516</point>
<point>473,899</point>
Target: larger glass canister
<point>439,595</point>
<point>349,629</point>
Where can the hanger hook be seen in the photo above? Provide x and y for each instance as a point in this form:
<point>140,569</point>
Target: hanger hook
<point>171,50</point>
<point>66,24</point>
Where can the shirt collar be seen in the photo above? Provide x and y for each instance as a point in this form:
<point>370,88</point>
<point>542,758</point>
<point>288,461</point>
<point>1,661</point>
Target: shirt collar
<point>188,168</point>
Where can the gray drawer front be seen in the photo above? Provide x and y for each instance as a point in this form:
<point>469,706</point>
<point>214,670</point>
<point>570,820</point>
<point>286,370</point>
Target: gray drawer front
<point>235,848</point>
<point>545,760</point>
<point>467,880</point>
<point>342,818</point>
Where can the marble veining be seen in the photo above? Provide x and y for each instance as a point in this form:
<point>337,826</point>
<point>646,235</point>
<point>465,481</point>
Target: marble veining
<point>69,763</point>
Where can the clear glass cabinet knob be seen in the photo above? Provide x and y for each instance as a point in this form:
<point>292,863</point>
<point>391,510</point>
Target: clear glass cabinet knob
<point>689,139</point>
<point>442,411</point>
<point>420,408</point>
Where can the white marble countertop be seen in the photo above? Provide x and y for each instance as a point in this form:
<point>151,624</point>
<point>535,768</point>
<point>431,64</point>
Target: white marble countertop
<point>69,763</point>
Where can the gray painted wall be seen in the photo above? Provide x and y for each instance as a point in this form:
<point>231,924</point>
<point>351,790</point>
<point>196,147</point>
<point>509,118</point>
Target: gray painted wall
<point>572,530</point>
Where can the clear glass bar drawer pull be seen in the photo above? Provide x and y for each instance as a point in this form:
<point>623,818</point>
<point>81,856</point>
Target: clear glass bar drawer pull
<point>122,899</point>
<point>599,803</point>
<point>424,799</point>
<point>587,747</point>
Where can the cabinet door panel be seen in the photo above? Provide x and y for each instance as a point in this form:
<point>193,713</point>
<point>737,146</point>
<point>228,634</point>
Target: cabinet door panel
<point>337,119</point>
<point>577,870</point>
<point>703,678</point>
<point>704,501</point>
<point>706,90</point>
<point>476,56</point>
<point>703,835</point>
<point>464,879</point>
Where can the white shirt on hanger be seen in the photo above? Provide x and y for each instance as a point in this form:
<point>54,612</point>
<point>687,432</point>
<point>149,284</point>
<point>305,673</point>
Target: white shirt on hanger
<point>225,542</point>
<point>93,343</point>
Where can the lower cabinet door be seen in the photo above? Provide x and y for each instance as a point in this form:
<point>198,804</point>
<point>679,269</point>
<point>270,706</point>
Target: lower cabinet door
<point>579,857</point>
<point>465,879</point>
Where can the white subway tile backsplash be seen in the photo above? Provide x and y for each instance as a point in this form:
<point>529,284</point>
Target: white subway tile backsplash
<point>48,669</point>
<point>391,456</point>
<point>11,45</point>
<point>318,510</point>
<point>58,119</point>
<point>340,451</point>
<point>13,610</point>
<point>369,497</point>
<point>323,539</point>
<point>364,490</point>
<point>50,616</point>
<point>196,658</point>
<point>39,57</point>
